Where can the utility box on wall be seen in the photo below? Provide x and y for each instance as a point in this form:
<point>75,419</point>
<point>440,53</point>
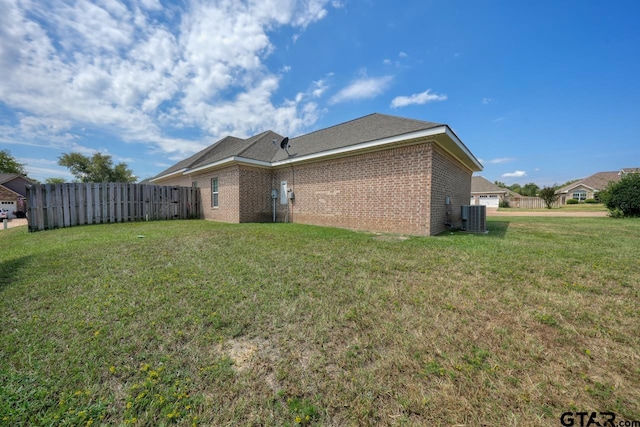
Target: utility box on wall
<point>283,193</point>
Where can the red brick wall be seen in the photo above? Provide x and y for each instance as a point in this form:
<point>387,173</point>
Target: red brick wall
<point>228,209</point>
<point>381,191</point>
<point>255,195</point>
<point>400,190</point>
<point>448,178</point>
<point>5,194</point>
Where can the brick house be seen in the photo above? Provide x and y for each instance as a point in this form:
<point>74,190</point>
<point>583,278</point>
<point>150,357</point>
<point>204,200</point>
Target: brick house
<point>485,192</point>
<point>13,190</point>
<point>377,173</point>
<point>588,188</point>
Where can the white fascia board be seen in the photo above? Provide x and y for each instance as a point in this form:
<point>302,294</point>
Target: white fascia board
<point>463,147</point>
<point>579,184</point>
<point>178,172</point>
<point>228,162</point>
<point>366,145</point>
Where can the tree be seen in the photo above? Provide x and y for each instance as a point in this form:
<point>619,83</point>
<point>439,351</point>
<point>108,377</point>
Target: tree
<point>55,180</point>
<point>548,194</point>
<point>8,164</point>
<point>530,190</point>
<point>500,184</point>
<point>622,198</point>
<point>97,168</point>
<point>516,188</point>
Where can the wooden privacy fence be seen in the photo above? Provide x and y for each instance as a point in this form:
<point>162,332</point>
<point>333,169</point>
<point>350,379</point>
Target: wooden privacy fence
<point>529,203</point>
<point>66,205</point>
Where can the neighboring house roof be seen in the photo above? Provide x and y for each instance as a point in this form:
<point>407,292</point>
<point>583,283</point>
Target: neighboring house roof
<point>595,182</point>
<point>370,132</point>
<point>15,183</point>
<point>480,184</point>
<point>5,177</point>
<point>629,170</point>
<point>513,194</point>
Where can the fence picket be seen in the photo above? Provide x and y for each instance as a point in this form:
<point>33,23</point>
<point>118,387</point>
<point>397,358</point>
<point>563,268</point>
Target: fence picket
<point>52,206</point>
<point>529,203</point>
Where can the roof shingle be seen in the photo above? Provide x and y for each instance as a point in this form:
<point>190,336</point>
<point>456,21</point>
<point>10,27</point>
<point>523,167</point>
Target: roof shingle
<point>373,127</point>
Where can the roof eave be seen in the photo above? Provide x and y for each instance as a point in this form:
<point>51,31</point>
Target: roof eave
<point>461,152</point>
<point>572,187</point>
<point>411,138</point>
<point>229,161</point>
<point>169,175</point>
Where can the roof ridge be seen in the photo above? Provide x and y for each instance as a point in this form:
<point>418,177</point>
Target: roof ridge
<point>369,115</point>
<point>211,148</point>
<point>257,137</point>
<point>336,125</point>
<point>409,119</point>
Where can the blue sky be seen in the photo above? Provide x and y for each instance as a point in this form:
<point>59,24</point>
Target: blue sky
<point>542,92</point>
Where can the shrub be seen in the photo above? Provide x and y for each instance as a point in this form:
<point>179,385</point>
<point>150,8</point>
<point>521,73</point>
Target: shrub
<point>548,194</point>
<point>591,201</point>
<point>503,204</point>
<point>623,197</point>
<point>572,202</point>
<point>616,213</point>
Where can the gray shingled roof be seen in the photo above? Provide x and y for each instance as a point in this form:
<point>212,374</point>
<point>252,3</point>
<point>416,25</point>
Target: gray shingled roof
<point>364,129</point>
<point>260,147</point>
<point>480,184</point>
<point>598,181</point>
<point>4,177</point>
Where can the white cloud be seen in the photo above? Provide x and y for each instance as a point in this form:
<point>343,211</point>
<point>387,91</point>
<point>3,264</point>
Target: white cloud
<point>42,168</point>
<point>501,160</point>
<point>516,174</point>
<point>114,66</point>
<point>362,88</point>
<point>487,100</point>
<point>319,88</point>
<point>417,98</point>
<point>396,63</point>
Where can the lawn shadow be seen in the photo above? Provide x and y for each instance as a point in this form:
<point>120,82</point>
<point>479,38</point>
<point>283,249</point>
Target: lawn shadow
<point>10,271</point>
<point>497,228</point>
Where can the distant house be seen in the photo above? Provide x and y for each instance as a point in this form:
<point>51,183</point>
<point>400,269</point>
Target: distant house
<point>589,187</point>
<point>377,172</point>
<point>485,192</point>
<point>13,190</point>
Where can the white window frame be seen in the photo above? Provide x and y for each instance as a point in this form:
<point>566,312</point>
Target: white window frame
<point>215,194</point>
<point>580,195</point>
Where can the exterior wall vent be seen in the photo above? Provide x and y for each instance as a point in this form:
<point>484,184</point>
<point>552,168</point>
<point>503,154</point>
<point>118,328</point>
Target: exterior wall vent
<point>474,218</point>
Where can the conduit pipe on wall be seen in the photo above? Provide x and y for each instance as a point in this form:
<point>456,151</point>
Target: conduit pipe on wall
<point>274,196</point>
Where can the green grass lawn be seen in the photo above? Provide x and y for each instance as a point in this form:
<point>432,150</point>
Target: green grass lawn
<point>201,323</point>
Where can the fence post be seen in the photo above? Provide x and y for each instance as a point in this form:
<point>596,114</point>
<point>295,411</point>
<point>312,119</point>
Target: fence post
<point>52,206</point>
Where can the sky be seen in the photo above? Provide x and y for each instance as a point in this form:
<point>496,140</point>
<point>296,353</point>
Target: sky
<point>539,91</point>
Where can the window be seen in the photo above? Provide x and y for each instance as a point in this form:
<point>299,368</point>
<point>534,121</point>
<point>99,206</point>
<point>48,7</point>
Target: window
<point>214,192</point>
<point>580,195</point>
